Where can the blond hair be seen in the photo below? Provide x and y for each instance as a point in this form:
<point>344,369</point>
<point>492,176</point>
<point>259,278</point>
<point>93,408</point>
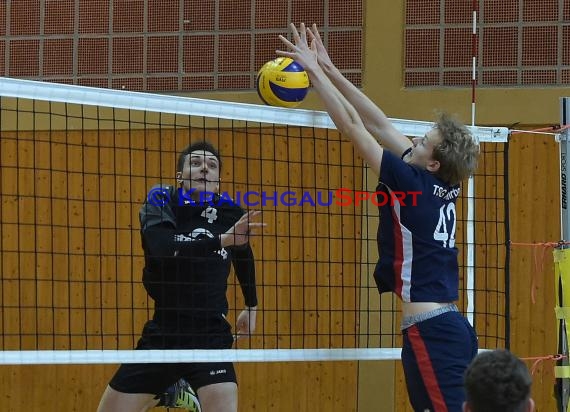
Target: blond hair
<point>457,152</point>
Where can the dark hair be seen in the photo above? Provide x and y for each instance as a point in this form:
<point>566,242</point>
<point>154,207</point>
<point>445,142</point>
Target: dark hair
<point>198,146</point>
<point>458,151</point>
<point>497,381</point>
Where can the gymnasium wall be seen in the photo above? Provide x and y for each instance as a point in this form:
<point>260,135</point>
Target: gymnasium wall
<point>363,386</point>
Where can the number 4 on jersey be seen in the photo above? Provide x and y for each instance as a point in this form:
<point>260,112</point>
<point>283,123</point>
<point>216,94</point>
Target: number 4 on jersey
<point>210,213</point>
<point>447,219</point>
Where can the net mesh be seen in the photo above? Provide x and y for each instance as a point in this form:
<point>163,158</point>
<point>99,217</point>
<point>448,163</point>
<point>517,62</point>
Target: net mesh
<point>74,176</point>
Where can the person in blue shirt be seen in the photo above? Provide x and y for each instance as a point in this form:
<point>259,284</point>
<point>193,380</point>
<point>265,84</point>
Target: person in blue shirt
<point>189,247</point>
<point>416,240</point>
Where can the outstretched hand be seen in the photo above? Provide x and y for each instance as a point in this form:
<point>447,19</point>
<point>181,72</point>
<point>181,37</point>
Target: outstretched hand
<point>319,47</point>
<point>300,51</point>
<point>239,233</point>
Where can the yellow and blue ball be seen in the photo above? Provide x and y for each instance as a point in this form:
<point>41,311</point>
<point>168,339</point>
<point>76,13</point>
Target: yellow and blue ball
<point>282,82</point>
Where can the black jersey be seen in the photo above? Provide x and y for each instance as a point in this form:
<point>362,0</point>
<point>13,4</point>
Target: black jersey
<point>186,269</point>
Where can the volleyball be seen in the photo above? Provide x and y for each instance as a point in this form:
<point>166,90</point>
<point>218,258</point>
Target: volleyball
<point>282,82</point>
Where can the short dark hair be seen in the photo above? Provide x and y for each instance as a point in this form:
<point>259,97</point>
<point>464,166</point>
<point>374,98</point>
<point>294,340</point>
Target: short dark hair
<point>198,146</point>
<point>497,381</point>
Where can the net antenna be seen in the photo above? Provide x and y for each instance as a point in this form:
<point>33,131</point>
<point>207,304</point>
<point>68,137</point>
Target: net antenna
<point>61,302</point>
<point>470,242</point>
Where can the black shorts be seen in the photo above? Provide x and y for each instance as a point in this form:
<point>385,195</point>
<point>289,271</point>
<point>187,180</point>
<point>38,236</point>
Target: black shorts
<point>155,378</point>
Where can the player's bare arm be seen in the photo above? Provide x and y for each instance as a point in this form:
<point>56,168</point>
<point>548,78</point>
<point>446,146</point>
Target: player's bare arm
<point>343,114</point>
<point>374,119</point>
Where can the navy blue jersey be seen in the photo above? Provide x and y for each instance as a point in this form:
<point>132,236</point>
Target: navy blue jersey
<point>416,235</point>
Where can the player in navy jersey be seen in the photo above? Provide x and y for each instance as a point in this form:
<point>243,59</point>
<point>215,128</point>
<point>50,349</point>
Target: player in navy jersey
<point>189,245</point>
<point>418,257</point>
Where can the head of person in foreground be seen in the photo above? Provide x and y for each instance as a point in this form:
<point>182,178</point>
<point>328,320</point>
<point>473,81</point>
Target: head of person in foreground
<point>497,381</point>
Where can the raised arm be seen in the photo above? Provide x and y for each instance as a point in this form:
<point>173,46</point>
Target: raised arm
<point>374,119</point>
<point>343,114</point>
<point>162,239</point>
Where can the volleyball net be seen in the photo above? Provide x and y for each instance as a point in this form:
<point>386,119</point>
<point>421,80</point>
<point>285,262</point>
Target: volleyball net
<point>77,163</point>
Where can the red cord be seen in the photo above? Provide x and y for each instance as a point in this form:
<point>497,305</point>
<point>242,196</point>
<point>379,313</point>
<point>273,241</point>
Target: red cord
<point>538,259</point>
<point>539,359</point>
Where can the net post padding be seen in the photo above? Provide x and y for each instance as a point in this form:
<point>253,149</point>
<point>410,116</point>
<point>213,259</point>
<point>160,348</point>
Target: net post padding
<point>562,312</point>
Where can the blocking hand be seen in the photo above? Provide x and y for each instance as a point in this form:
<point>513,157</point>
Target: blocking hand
<point>300,51</point>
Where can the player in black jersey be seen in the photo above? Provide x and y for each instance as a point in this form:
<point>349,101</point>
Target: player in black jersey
<point>189,241</point>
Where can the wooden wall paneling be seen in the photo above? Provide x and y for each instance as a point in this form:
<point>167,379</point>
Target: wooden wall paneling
<point>535,218</point>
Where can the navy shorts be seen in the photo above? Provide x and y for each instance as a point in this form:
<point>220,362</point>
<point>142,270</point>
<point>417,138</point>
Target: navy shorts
<point>435,354</point>
<point>155,378</point>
